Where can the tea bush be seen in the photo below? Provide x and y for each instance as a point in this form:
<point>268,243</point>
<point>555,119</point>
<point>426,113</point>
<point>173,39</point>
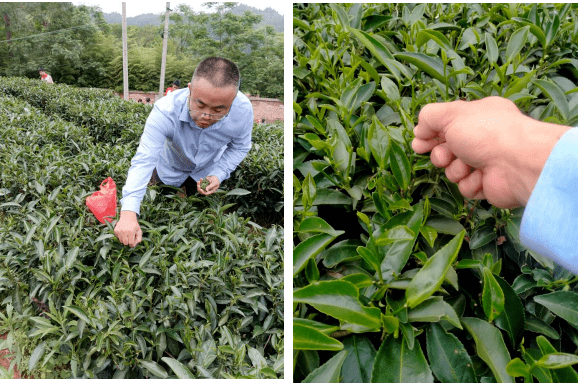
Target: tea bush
<point>109,120</point>
<point>201,296</point>
<point>261,172</point>
<point>397,277</point>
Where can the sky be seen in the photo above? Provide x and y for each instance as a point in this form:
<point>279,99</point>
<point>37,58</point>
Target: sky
<point>135,8</point>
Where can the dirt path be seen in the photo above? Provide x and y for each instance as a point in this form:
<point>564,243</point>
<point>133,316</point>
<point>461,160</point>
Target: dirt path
<point>5,361</point>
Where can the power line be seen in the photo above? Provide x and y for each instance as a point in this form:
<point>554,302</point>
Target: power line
<point>57,31</point>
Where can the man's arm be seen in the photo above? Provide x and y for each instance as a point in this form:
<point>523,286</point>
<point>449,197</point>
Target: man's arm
<point>144,161</point>
<point>549,224</point>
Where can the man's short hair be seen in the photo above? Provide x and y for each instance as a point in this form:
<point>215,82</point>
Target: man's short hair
<point>218,71</point>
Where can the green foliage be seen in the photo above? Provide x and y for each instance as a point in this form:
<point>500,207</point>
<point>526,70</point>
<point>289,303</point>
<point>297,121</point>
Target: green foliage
<point>390,261</point>
<point>261,173</point>
<point>201,296</point>
<point>81,49</point>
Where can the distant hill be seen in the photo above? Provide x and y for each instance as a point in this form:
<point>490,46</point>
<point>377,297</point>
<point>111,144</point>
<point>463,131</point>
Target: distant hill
<point>270,17</point>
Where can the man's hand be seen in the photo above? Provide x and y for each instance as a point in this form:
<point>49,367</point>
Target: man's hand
<point>488,147</point>
<point>128,230</point>
<point>211,188</point>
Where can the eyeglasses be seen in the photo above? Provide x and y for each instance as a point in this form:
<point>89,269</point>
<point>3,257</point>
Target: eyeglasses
<point>197,113</point>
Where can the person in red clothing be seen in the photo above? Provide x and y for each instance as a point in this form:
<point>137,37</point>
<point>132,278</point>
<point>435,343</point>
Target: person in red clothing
<point>45,76</point>
<point>173,87</point>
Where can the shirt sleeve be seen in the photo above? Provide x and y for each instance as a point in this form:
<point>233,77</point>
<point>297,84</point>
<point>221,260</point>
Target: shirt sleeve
<point>145,160</point>
<point>549,224</point>
<point>236,150</point>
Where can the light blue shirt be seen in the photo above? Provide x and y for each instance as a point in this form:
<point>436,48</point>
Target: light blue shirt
<point>549,224</point>
<point>178,148</point>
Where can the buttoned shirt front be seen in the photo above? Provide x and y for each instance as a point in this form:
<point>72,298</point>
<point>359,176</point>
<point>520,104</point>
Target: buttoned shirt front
<point>178,148</point>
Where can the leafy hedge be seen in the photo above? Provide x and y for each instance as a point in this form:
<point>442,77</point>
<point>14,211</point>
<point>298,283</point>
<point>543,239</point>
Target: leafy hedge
<point>202,296</point>
<point>261,173</point>
<point>397,277</point>
<point>110,120</point>
<point>105,115</point>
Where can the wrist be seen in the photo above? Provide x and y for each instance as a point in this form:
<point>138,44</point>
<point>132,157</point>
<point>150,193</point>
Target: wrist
<point>127,214</point>
<point>536,141</point>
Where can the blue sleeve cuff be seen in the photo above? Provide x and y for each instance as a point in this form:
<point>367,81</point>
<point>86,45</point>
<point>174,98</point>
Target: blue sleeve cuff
<point>131,204</point>
<point>549,224</point>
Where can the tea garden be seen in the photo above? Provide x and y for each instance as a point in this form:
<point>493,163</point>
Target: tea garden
<point>200,297</point>
<point>397,277</point>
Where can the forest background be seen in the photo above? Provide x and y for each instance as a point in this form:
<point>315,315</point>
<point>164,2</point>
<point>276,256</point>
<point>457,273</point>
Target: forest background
<point>85,50</point>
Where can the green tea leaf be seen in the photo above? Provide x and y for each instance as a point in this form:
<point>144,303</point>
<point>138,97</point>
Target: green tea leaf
<point>512,319</point>
<point>316,225</point>
<point>556,95</point>
<point>493,298</point>
<point>534,324</point>
<point>560,375</point>
<point>308,338</point>
<point>400,165</point>
<point>79,313</point>
<point>427,34</point>
<point>35,356</point>
<point>369,257</point>
<point>516,43</point>
<point>238,191</point>
<point>519,84</point>
<point>482,236</point>
<point>310,248</point>
<point>517,367</point>
<point>492,48</point>
<point>379,141</point>
<point>319,326</point>
<point>557,360</point>
<point>378,50</point>
<point>431,276</point>
<point>551,28</point>
<point>339,299</point>
<point>357,367</point>
<point>154,368</point>
<point>561,303</point>
<point>448,358</point>
<point>329,372</point>
<point>490,347</point>
<point>431,65</point>
<point>396,363</point>
<point>178,368</point>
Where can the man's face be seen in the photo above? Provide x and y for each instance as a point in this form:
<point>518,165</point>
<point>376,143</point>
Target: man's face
<point>209,104</point>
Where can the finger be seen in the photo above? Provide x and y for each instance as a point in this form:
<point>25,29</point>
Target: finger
<point>457,170</point>
<point>471,186</point>
<point>213,186</point>
<point>441,156</point>
<point>434,118</point>
<point>132,240</point>
<point>139,236</point>
<point>423,146</point>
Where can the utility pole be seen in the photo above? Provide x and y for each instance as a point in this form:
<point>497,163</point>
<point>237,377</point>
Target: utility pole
<point>8,32</point>
<point>125,56</point>
<point>164,59</point>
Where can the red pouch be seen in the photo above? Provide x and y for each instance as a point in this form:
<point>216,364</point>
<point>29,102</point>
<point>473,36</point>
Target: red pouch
<point>103,203</point>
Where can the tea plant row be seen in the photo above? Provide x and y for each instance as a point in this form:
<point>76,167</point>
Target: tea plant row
<point>201,296</point>
<point>110,120</point>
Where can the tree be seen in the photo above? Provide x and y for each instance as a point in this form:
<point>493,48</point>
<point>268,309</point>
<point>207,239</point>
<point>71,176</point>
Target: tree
<point>41,37</point>
<point>258,52</point>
